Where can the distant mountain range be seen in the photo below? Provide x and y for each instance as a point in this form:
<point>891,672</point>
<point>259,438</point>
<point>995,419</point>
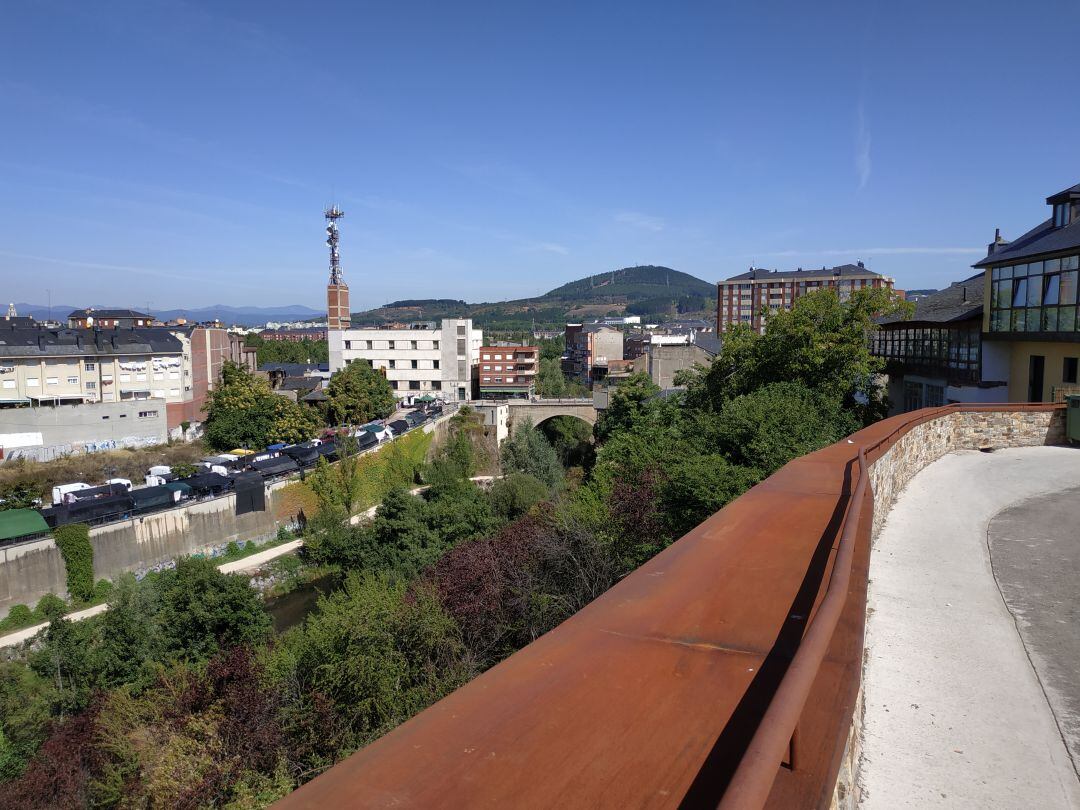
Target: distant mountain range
<point>247,316</point>
<point>651,291</point>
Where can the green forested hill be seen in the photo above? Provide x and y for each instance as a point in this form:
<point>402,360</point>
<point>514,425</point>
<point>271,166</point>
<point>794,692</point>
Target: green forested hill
<point>647,290</point>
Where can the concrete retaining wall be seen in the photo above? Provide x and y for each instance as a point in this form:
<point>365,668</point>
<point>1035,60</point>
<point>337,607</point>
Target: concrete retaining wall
<point>30,570</point>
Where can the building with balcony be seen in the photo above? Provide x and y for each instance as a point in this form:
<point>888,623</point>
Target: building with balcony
<point>508,372</point>
<point>743,299</point>
<point>589,347</point>
<point>935,357</point>
<point>294,334</point>
<point>438,362</point>
<point>1030,326</point>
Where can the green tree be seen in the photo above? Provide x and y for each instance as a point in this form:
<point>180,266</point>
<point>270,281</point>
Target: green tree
<point>517,493</point>
<point>19,495</point>
<point>767,428</point>
<point>822,342</point>
<point>378,650</point>
<point>571,437</point>
<point>243,412</point>
<point>357,394</point>
<point>628,403</point>
<point>203,610</point>
<point>527,451</point>
<point>26,701</point>
<point>129,638</point>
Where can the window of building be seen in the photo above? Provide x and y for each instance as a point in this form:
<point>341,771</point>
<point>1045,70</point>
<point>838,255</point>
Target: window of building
<point>73,380</point>
<point>414,364</point>
<point>414,385</point>
<point>412,344</point>
<point>935,396</point>
<point>32,382</point>
<point>348,344</point>
<point>436,385</point>
<point>434,363</point>
<point>391,344</point>
<point>509,379</point>
<point>435,344</point>
<point>91,367</point>
<point>461,329</point>
<point>368,346</point>
<point>487,368</point>
<point>9,383</point>
<point>90,386</point>
<point>1068,373</point>
<point>147,414</point>
<point>1061,215</point>
<point>912,396</point>
<point>392,363</point>
<point>460,347</point>
<point>52,380</point>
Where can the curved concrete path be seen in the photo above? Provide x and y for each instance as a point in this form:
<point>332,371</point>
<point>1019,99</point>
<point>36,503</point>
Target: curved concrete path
<point>1035,551</point>
<point>955,713</point>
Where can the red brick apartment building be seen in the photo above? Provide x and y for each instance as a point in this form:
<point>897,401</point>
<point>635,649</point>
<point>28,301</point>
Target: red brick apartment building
<point>207,348</point>
<point>742,298</point>
<point>508,371</point>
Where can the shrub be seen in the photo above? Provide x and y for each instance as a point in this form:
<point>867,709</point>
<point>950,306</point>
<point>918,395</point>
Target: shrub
<point>102,590</point>
<point>74,544</point>
<point>50,606</point>
<point>18,616</point>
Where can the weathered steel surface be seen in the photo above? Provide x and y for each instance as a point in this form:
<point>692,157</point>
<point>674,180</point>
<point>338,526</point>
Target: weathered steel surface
<point>649,696</point>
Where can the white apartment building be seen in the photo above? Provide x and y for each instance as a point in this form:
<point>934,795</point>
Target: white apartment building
<point>53,366</point>
<point>416,360</point>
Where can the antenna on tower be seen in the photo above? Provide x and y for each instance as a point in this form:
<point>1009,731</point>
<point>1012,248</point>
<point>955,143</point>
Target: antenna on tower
<point>333,214</point>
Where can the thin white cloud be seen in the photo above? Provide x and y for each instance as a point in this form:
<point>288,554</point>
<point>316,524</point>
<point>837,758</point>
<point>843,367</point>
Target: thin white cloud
<point>636,219</point>
<point>548,247</point>
<point>873,251</point>
<point>863,165</point>
<point>119,268</point>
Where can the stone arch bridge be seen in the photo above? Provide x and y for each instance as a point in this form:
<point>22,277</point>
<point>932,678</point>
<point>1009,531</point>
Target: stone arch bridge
<point>540,409</point>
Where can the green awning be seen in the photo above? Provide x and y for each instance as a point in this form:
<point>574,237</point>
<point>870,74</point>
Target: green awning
<point>178,486</point>
<point>21,523</point>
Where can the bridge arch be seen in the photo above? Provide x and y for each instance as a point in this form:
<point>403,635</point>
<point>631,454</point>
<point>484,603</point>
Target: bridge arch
<point>540,410</point>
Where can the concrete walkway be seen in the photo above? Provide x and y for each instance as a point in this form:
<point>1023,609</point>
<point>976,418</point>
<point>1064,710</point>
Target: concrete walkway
<point>1035,551</point>
<point>955,713</point>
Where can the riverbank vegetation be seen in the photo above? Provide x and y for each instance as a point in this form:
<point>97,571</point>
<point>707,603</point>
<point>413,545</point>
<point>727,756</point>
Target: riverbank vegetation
<point>179,696</point>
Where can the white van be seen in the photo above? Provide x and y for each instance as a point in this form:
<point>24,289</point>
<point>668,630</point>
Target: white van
<point>59,491</point>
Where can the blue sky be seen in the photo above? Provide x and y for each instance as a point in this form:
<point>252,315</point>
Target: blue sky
<point>181,152</point>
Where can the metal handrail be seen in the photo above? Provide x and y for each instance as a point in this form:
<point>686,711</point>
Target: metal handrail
<point>754,777</point>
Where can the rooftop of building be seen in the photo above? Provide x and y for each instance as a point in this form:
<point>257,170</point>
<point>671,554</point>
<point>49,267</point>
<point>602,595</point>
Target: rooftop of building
<point>17,341</point>
<point>1044,238</point>
<point>840,271</point>
<point>79,314</point>
<point>960,301</point>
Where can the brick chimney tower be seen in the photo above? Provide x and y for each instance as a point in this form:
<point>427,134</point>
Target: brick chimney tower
<point>337,291</point>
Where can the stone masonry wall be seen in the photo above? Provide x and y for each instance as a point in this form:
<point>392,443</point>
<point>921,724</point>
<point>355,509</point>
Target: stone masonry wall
<point>889,474</point>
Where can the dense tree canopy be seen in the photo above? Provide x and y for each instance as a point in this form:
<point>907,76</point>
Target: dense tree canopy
<point>243,412</point>
<point>357,394</point>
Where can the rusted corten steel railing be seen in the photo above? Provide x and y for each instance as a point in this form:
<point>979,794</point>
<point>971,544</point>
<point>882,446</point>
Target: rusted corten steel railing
<point>682,686</point>
<point>775,741</point>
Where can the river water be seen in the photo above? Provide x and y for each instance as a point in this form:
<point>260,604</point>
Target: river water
<point>289,610</point>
